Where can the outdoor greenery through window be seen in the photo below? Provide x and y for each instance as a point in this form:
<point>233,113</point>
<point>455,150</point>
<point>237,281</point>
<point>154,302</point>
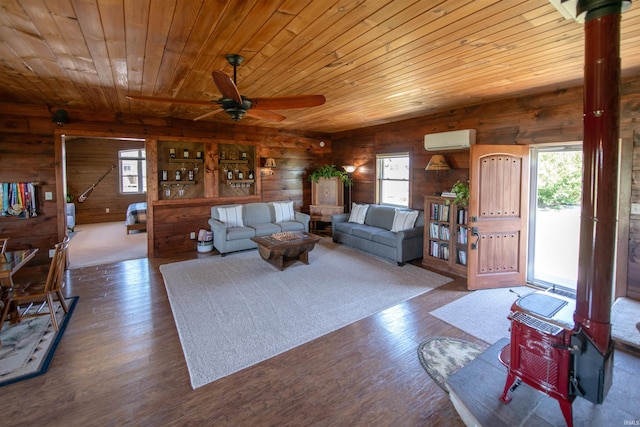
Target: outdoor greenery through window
<point>393,179</point>
<point>133,171</point>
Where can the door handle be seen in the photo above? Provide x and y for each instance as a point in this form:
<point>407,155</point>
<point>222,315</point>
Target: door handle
<point>474,232</point>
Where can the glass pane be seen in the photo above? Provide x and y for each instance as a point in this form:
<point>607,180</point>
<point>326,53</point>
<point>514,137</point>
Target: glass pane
<point>557,228</point>
<point>394,193</point>
<point>395,168</point>
<point>130,153</point>
<point>129,174</point>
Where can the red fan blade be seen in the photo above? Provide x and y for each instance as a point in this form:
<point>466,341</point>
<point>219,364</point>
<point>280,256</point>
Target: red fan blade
<point>170,100</point>
<point>209,114</point>
<point>226,86</point>
<point>285,102</point>
<point>266,115</point>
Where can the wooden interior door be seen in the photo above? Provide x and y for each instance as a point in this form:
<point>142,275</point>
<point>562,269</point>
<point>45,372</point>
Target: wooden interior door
<point>498,215</point>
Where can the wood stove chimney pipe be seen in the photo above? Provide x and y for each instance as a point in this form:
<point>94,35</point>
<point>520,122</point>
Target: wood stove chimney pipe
<point>600,171</point>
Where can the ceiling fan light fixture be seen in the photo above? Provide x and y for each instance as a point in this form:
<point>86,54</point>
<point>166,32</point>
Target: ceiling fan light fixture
<point>235,113</point>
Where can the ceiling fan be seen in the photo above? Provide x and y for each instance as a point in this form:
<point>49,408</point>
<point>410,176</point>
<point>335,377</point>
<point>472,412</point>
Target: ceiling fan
<point>236,105</point>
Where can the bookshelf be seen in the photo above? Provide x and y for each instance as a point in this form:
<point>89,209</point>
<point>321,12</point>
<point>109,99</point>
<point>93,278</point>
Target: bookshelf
<point>445,236</point>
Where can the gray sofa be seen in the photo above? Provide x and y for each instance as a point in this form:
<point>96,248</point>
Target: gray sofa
<point>258,219</point>
<point>375,235</point>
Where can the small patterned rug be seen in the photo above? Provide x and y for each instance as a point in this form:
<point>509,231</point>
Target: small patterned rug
<point>27,348</point>
<point>444,356</point>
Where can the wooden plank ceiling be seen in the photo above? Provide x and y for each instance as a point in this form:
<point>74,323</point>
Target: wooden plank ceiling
<point>376,61</point>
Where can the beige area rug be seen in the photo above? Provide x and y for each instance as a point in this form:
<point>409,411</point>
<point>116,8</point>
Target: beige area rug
<point>236,311</point>
<point>483,313</point>
<point>104,243</point>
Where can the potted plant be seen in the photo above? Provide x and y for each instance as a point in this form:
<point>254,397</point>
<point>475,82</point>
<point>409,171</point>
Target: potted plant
<point>461,190</point>
<point>330,171</point>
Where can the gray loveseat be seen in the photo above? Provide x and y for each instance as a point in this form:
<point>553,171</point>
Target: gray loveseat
<point>255,219</point>
<point>375,236</point>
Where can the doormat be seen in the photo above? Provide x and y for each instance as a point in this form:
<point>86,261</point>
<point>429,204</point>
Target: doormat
<point>27,348</point>
<point>444,356</point>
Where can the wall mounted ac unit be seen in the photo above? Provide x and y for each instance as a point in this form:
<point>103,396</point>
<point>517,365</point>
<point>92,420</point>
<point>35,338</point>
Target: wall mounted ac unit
<point>453,140</point>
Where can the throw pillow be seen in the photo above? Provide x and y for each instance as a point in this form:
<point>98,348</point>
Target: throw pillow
<point>284,211</point>
<point>358,213</point>
<point>404,220</point>
<point>231,217</point>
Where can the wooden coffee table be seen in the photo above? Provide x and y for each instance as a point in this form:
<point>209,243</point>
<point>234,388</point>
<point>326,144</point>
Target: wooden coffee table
<point>282,253</point>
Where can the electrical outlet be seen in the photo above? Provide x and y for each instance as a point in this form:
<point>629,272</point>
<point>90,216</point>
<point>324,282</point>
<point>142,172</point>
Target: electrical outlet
<point>106,210</point>
<point>193,235</point>
<point>52,252</point>
<point>48,195</point>
<point>635,208</point>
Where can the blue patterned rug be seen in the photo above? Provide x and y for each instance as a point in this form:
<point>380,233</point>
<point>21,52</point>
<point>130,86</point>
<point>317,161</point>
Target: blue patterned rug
<point>26,349</point>
<point>444,356</point>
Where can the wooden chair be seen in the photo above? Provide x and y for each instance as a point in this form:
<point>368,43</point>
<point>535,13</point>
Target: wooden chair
<point>19,301</point>
<point>3,244</point>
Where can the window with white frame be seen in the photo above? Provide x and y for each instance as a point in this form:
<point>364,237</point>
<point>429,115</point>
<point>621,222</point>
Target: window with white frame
<point>392,183</point>
<point>133,171</point>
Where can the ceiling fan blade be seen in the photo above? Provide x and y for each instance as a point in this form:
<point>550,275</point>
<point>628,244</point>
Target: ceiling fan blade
<point>226,86</point>
<point>170,100</point>
<point>209,114</point>
<point>285,102</point>
<point>265,115</point>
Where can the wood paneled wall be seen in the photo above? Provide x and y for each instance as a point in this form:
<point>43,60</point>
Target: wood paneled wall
<point>88,159</point>
<point>30,158</point>
<point>534,119</point>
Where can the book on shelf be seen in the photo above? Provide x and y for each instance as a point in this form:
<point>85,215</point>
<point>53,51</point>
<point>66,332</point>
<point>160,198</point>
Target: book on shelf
<point>462,257</point>
<point>462,235</point>
<point>433,230</point>
<point>444,232</point>
<point>448,194</point>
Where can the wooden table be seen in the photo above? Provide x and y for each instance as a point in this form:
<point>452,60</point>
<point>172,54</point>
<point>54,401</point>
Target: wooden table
<point>10,262</point>
<point>283,253</point>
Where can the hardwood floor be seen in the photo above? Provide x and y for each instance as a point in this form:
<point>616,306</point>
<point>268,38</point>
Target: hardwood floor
<point>120,363</point>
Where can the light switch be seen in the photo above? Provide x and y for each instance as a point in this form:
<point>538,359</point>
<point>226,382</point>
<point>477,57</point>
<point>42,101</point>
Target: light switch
<point>48,195</point>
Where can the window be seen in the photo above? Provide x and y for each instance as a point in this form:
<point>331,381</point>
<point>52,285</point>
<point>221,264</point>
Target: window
<point>392,171</point>
<point>133,171</point>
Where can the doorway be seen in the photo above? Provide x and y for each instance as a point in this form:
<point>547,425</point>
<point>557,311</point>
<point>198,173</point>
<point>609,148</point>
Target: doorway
<point>100,200</point>
<point>554,216</point>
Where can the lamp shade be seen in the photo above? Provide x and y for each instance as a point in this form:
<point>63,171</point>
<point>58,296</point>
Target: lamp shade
<point>270,163</point>
<point>349,168</point>
<point>437,163</point>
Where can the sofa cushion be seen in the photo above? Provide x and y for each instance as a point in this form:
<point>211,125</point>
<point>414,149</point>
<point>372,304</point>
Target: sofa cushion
<point>388,238</point>
<point>291,226</point>
<point>257,213</point>
<point>366,231</point>
<point>358,213</point>
<point>284,211</point>
<point>231,217</point>
<point>266,228</point>
<point>380,216</point>
<point>404,219</point>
